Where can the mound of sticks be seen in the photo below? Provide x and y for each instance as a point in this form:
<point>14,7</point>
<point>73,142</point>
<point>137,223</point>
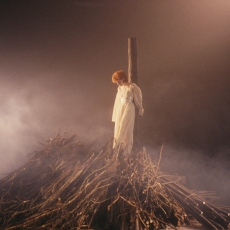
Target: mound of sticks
<point>68,186</point>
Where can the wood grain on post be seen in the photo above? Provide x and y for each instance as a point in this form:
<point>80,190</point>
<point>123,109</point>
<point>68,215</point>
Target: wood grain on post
<point>132,60</point>
<point>132,76</point>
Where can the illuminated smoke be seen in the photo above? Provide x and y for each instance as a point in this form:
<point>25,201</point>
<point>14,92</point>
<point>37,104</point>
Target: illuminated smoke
<point>56,61</point>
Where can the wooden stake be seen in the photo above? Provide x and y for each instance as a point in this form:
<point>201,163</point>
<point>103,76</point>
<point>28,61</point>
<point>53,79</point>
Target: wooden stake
<point>132,76</point>
<point>132,60</point>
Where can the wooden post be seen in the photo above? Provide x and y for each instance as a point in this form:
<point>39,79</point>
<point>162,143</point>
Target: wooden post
<point>132,76</point>
<point>132,60</point>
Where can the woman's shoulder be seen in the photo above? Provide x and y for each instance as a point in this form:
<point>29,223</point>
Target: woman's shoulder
<point>134,85</point>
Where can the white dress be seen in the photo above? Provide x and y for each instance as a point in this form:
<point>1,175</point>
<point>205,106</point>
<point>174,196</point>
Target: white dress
<point>124,115</point>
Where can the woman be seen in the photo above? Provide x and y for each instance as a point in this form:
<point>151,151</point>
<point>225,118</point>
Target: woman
<point>124,110</point>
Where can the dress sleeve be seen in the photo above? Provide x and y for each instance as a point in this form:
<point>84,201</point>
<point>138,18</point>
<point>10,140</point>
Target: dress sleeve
<point>115,108</point>
<point>138,98</point>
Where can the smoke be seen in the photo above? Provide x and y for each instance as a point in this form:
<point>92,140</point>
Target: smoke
<point>198,170</point>
<point>56,61</point>
<point>17,135</point>
<point>38,109</point>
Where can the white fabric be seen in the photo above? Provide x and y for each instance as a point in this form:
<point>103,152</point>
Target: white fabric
<point>126,99</point>
<point>124,114</point>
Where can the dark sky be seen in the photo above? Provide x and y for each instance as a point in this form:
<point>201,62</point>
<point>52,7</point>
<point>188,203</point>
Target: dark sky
<point>57,58</point>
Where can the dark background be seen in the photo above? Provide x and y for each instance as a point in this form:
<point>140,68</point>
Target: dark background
<point>56,62</point>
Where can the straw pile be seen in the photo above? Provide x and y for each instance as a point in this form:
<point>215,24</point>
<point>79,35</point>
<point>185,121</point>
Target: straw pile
<point>67,186</point>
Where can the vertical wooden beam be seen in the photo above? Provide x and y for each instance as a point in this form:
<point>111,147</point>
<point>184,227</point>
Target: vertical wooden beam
<point>132,60</point>
<point>132,75</point>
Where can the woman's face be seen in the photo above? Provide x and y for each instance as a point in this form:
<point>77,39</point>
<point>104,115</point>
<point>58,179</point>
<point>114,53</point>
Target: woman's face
<point>120,82</point>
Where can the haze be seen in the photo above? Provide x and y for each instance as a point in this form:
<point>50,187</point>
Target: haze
<point>57,58</point>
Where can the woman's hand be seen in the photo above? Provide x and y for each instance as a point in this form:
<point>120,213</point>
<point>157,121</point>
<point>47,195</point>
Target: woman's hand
<point>141,111</point>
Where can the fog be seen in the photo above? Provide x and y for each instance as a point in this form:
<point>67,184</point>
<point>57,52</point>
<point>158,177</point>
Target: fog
<point>56,62</point>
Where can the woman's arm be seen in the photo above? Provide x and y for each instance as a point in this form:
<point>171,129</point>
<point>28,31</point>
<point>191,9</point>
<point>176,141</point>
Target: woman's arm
<point>138,98</point>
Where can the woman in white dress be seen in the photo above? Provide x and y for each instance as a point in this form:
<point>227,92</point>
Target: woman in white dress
<point>124,110</point>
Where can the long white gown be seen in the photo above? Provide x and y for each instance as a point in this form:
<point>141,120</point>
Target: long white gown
<point>124,115</point>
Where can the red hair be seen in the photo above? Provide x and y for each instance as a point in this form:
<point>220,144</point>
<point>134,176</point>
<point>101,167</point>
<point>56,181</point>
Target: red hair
<point>119,75</point>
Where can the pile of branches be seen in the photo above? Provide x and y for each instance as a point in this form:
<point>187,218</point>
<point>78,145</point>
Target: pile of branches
<point>199,205</point>
<point>67,186</point>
